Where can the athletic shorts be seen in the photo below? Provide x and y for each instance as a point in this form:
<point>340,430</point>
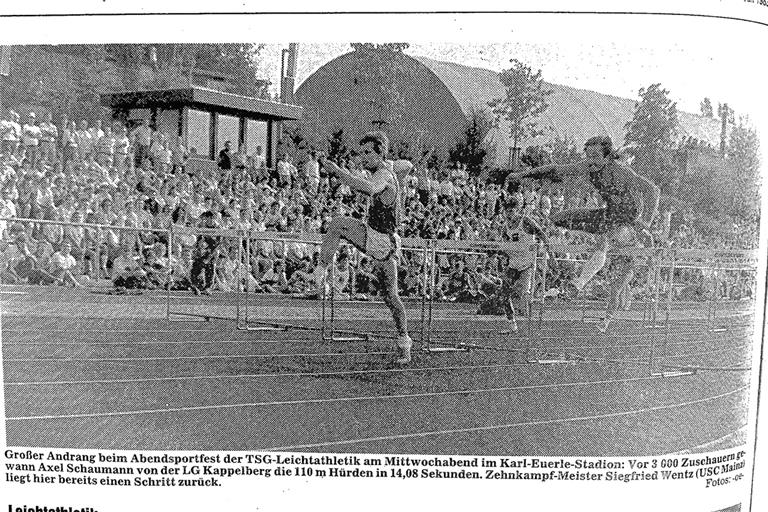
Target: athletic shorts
<point>381,246</point>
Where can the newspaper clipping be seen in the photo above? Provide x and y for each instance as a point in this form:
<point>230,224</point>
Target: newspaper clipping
<point>490,260</point>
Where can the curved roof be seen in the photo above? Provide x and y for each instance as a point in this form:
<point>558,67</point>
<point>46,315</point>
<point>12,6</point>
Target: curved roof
<point>357,88</point>
<point>577,113</point>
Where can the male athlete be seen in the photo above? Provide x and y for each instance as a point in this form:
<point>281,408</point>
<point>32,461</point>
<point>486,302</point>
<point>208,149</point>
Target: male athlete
<point>377,236</point>
<point>631,203</point>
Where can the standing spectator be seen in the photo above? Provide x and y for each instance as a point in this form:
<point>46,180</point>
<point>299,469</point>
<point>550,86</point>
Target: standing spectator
<point>84,141</point>
<point>70,143</point>
<point>259,162</point>
<point>239,160</point>
<point>49,135</point>
<point>141,139</point>
<point>122,147</point>
<point>225,157</point>
<point>105,148</point>
<point>312,173</point>
<point>11,134</point>
<point>286,171</point>
<point>96,131</point>
<point>164,157</point>
<point>180,156</point>
<point>31,136</point>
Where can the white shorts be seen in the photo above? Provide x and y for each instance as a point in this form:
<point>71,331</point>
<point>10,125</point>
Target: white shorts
<point>381,246</point>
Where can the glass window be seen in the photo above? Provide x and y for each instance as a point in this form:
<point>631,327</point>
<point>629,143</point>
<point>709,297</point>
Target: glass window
<point>228,130</point>
<point>256,137</point>
<point>199,133</point>
<point>168,123</point>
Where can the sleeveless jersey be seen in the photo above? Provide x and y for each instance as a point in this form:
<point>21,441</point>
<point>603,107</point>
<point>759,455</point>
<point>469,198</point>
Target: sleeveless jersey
<point>518,234</point>
<point>384,216</point>
<point>620,203</point>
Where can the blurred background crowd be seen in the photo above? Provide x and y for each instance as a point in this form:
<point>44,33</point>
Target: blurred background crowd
<point>104,172</point>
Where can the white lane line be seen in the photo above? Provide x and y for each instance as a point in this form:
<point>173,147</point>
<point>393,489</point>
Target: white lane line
<point>260,375</point>
<point>504,426</point>
<point>328,400</point>
<point>182,358</point>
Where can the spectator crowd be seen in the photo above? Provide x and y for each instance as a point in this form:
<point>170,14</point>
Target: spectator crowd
<point>136,180</point>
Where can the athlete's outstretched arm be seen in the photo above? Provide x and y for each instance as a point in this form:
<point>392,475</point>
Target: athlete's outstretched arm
<point>554,172</point>
<point>370,187</point>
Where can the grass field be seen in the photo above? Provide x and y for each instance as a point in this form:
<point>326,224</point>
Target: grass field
<point>88,370</point>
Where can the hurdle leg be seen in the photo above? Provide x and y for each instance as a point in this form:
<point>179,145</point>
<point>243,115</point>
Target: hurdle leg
<point>670,298</point>
<point>432,284</point>
<point>530,292</point>
<point>239,288</point>
<point>98,254</point>
<point>331,296</point>
<point>442,346</point>
<point>321,293</point>
<point>542,305</point>
<point>424,292</point>
<point>170,275</point>
<point>652,318</point>
<point>665,370</point>
<point>248,259</point>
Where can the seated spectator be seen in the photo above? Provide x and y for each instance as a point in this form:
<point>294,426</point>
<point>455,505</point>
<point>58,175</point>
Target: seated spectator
<point>274,280</point>
<point>29,270</point>
<point>9,255</point>
<point>301,280</point>
<point>126,269</point>
<point>155,267</point>
<point>63,265</point>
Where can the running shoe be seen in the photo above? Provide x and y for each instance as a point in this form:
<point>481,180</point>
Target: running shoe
<point>404,350</point>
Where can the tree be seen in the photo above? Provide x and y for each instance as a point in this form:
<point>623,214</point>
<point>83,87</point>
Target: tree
<point>652,136</point>
<point>65,79</point>
<point>535,156</point>
<point>726,115</point>
<point>743,157</point>
<point>524,102</point>
<point>293,140</point>
<point>337,146</point>
<point>563,150</point>
<point>472,149</point>
<point>706,108</point>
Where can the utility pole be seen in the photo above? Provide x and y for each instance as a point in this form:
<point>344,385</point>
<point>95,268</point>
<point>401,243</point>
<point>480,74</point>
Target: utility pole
<point>5,70</point>
<point>288,72</point>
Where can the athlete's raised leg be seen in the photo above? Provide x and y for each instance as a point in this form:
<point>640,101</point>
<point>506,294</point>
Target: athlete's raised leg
<point>347,228</point>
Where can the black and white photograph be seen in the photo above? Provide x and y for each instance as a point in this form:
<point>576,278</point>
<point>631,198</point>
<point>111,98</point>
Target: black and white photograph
<point>543,244</point>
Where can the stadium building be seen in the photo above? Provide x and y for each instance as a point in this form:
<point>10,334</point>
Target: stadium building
<point>412,96</point>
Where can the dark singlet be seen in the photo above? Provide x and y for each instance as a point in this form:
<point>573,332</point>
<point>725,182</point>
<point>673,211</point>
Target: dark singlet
<point>620,203</point>
<point>383,216</point>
